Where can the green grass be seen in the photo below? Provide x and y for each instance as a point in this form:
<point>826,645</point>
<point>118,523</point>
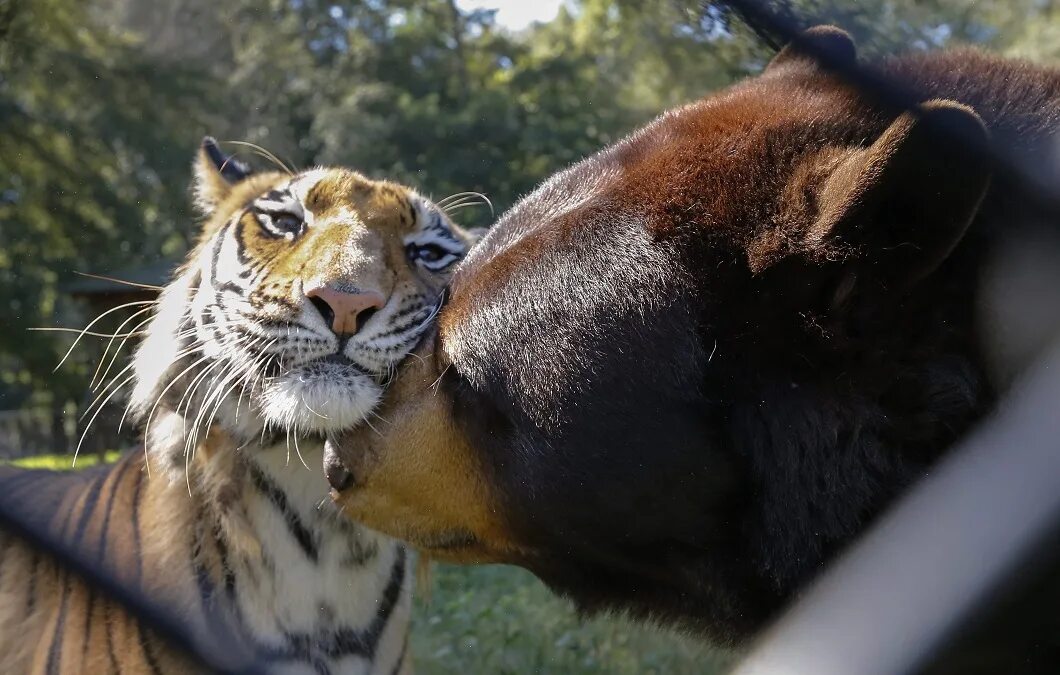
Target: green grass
<point>495,619</point>
<point>501,620</point>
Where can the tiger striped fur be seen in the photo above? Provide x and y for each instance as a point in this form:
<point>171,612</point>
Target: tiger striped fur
<point>282,328</point>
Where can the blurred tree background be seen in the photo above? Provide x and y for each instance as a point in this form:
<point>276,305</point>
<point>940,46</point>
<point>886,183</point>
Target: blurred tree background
<point>103,103</point>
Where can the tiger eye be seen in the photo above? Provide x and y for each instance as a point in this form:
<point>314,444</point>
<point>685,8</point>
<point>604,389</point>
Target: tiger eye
<point>287,223</point>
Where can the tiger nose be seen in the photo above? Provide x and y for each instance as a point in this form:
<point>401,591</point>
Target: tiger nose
<point>345,310</point>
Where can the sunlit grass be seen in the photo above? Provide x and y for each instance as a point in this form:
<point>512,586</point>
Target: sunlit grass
<point>64,462</point>
<point>495,619</point>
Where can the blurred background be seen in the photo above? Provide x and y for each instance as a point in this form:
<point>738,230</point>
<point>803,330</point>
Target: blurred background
<point>103,103</point>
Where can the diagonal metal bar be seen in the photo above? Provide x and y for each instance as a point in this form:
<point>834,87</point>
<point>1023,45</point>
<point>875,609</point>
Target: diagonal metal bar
<point>931,562</point>
<point>155,617</point>
<point>934,560</point>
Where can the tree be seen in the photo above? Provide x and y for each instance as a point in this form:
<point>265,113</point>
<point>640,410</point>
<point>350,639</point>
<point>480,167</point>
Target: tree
<point>103,102</point>
<point>88,157</point>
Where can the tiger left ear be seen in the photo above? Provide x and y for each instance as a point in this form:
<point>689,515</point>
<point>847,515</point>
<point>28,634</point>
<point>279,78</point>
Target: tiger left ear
<point>475,234</point>
<point>215,174</point>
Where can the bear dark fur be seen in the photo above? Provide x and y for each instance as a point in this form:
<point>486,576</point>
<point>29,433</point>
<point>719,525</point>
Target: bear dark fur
<point>698,363</point>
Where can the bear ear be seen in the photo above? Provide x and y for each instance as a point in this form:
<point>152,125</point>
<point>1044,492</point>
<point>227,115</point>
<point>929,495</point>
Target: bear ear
<point>834,42</point>
<point>901,205</point>
<point>215,174</point>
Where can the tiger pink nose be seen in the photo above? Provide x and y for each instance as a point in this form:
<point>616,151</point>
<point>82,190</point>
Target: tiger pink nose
<point>345,310</point>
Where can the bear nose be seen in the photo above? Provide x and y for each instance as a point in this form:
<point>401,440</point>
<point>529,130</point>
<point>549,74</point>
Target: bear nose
<point>345,309</point>
<point>339,477</point>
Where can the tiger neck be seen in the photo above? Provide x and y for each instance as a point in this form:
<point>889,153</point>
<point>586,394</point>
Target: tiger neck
<point>280,565</point>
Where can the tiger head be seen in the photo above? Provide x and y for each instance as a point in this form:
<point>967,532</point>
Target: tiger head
<point>301,295</point>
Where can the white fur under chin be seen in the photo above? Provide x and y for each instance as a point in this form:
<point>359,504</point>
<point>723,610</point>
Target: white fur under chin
<point>319,397</point>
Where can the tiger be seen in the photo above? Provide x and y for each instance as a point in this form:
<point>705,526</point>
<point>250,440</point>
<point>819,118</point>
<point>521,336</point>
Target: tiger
<point>283,326</point>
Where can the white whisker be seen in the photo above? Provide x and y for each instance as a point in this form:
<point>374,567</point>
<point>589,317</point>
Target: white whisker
<point>84,434</point>
<point>82,333</point>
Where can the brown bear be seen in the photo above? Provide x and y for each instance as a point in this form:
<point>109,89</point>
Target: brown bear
<point>682,374</point>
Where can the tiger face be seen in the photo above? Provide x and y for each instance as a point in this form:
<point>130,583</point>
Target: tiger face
<point>303,293</point>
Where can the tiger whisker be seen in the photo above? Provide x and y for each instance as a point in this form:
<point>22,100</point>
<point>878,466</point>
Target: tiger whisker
<point>86,333</point>
<point>115,379</point>
<point>434,385</point>
<point>461,200</point>
<point>258,367</point>
<point>128,408</point>
<point>298,451</point>
<point>449,198</point>
<point>365,420</point>
<point>458,195</point>
<point>259,364</point>
<point>310,409</point>
<point>288,438</point>
<point>191,440</point>
<point>465,198</point>
<point>116,280</point>
<point>99,396</point>
<point>219,379</point>
<point>420,358</point>
<point>106,351</point>
<point>430,317</point>
<point>215,388</point>
<point>158,400</point>
<point>214,392</point>
<point>234,377</point>
<point>449,209</point>
<point>189,393</point>
<point>84,433</point>
<point>266,154</point>
<point>381,418</point>
<point>69,351</point>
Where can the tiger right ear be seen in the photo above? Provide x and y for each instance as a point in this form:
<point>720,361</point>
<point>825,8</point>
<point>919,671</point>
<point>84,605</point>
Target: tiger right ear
<point>215,174</point>
<point>475,234</point>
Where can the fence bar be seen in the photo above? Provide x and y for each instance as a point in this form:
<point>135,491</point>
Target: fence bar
<point>906,585</point>
<point>19,523</point>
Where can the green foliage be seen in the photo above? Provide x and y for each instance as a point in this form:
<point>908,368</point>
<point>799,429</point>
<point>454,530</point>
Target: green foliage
<point>102,103</point>
<point>887,26</point>
<point>86,175</point>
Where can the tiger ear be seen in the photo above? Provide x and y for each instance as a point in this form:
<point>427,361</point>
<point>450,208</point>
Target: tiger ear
<point>833,42</point>
<point>215,174</point>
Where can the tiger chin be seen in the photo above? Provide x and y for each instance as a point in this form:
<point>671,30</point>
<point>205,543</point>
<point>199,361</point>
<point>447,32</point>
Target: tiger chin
<point>282,327</point>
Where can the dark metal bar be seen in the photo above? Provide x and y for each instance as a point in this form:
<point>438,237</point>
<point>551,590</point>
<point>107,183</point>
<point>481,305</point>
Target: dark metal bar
<point>153,616</point>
